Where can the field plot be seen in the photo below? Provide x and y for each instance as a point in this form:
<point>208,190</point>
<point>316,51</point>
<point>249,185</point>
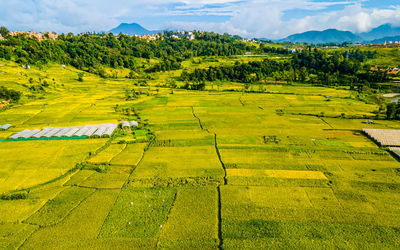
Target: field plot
<point>59,207</point>
<point>193,220</point>
<point>165,166</point>
<point>108,154</point>
<point>25,164</point>
<point>138,213</point>
<point>114,177</point>
<point>275,177</point>
<point>285,169</point>
<point>284,217</point>
<point>130,155</point>
<point>82,224</point>
<point>13,235</point>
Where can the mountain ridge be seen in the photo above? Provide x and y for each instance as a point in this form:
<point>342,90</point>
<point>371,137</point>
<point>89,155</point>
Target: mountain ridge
<point>325,36</point>
<point>385,32</point>
<point>133,29</point>
<point>382,31</point>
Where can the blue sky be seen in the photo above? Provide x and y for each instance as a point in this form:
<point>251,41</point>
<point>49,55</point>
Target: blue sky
<point>250,18</point>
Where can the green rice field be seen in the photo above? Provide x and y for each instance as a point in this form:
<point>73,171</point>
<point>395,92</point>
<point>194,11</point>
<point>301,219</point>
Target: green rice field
<point>213,169</point>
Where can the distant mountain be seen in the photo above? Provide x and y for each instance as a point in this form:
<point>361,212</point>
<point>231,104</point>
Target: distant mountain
<point>326,36</point>
<point>386,30</point>
<point>385,39</point>
<point>132,29</point>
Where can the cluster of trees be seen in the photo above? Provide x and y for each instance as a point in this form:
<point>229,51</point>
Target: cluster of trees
<point>359,55</point>
<point>91,51</point>
<point>336,68</point>
<point>312,65</point>
<point>316,61</point>
<point>9,94</point>
<point>275,50</point>
<point>194,86</point>
<point>240,72</point>
<point>165,65</point>
<point>393,111</point>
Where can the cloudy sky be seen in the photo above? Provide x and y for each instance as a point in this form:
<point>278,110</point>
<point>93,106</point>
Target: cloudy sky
<point>250,18</point>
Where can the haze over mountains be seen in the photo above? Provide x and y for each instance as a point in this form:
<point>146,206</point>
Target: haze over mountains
<point>386,32</point>
<point>326,36</point>
<point>133,29</point>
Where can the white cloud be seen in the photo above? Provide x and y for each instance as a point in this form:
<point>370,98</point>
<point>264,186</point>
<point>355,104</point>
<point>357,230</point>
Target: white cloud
<point>258,20</point>
<point>252,18</point>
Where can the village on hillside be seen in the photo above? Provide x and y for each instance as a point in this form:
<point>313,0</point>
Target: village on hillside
<point>151,37</point>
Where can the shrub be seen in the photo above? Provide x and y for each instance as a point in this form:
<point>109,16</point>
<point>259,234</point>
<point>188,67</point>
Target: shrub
<point>9,94</point>
<point>22,195</point>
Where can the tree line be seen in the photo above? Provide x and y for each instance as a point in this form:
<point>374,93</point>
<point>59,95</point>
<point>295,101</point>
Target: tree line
<point>92,51</point>
<point>241,72</point>
<point>165,65</point>
<point>313,66</point>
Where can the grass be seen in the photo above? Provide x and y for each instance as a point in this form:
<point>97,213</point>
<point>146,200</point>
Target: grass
<point>130,155</point>
<point>108,154</point>
<point>84,223</point>
<point>79,177</point>
<point>13,235</point>
<point>115,177</point>
<point>172,166</point>
<point>15,211</point>
<point>56,209</point>
<point>293,171</point>
<point>194,216</point>
<point>138,213</point>
<point>254,234</point>
<point>45,161</point>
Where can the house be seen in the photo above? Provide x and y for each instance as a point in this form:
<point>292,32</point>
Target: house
<point>30,134</point>
<point>61,132</point>
<point>51,132</point>
<point>134,124</point>
<point>90,131</point>
<point>5,127</point>
<point>19,134</point>
<point>71,131</point>
<point>100,132</point>
<point>108,132</point>
<point>81,131</point>
<point>125,124</point>
<point>42,133</point>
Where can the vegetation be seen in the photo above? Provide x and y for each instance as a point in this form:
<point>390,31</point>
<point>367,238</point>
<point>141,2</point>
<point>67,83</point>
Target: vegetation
<point>393,111</point>
<point>92,51</point>
<point>231,152</point>
<point>9,94</point>
<point>312,66</point>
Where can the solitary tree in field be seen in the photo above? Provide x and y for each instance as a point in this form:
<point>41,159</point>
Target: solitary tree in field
<point>80,77</point>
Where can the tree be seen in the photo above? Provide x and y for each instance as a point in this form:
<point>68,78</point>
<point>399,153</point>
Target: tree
<point>80,76</point>
<point>9,94</point>
<point>4,31</point>
<point>393,111</point>
<point>131,74</point>
<point>303,74</point>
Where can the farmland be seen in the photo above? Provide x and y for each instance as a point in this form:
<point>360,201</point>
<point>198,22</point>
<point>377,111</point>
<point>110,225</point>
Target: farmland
<point>277,166</point>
